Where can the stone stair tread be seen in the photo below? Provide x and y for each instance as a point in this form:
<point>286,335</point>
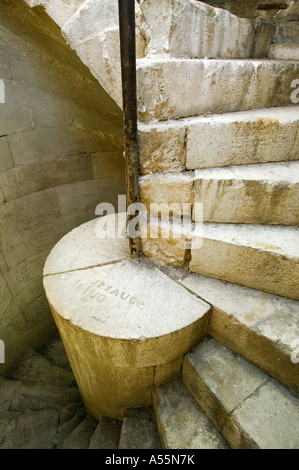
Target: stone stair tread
<point>80,437</point>
<point>284,51</point>
<point>24,428</point>
<point>273,172</point>
<point>37,368</point>
<point>20,395</point>
<point>237,138</point>
<point>181,422</point>
<point>256,256</point>
<point>139,430</point>
<point>278,239</point>
<point>266,193</point>
<point>106,434</point>
<point>54,351</point>
<point>249,84</point>
<point>259,326</point>
<point>247,407</point>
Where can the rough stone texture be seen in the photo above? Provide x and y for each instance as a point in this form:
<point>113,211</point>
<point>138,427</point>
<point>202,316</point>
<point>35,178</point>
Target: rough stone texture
<point>287,32</point>
<point>268,419</point>
<point>34,367</point>
<point>250,194</point>
<point>167,30</point>
<point>55,352</point>
<point>167,240</point>
<point>219,380</point>
<point>81,435</point>
<point>284,51</point>
<point>251,410</point>
<point>161,147</point>
<point>172,88</point>
<point>170,189</point>
<point>258,256</point>
<point>261,327</point>
<point>267,10</point>
<point>19,429</point>
<point>262,39</point>
<point>106,435</point>
<point>59,10</point>
<point>139,430</point>
<point>103,312</point>
<point>258,136</point>
<point>56,126</point>
<point>181,422</point>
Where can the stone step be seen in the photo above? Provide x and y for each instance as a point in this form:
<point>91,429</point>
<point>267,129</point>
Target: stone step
<point>249,194</point>
<point>54,436</point>
<point>81,436</point>
<point>55,352</point>
<point>287,32</point>
<point>139,430</point>
<point>27,429</point>
<point>59,10</point>
<point>250,409</point>
<point>257,256</point>
<point>106,435</point>
<point>164,26</point>
<point>240,138</point>
<point>181,422</point>
<point>261,327</point>
<point>176,88</point>
<point>33,367</point>
<point>284,51</point>
<point>19,396</point>
<point>194,29</point>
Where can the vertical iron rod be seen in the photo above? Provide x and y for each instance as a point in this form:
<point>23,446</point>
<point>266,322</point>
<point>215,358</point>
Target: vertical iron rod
<point>129,93</point>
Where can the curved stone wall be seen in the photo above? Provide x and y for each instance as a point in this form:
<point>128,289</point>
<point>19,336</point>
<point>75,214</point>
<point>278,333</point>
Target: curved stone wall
<point>60,155</point>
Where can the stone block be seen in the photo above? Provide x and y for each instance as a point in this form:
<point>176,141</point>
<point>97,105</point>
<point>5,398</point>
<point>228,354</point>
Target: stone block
<point>258,256</point>
<point>181,422</point>
<point>218,380</point>
<point>263,328</point>
<point>172,88</point>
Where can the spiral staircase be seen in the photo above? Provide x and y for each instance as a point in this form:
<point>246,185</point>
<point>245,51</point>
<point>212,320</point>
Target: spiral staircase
<point>218,124</point>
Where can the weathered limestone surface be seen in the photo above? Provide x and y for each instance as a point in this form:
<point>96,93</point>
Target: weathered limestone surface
<point>287,32</point>
<point>258,256</point>
<point>167,189</point>
<point>245,137</point>
<point>261,327</point>
<point>162,147</point>
<point>252,194</point>
<point>169,28</point>
<point>250,409</point>
<point>139,430</point>
<point>269,10</point>
<point>106,435</point>
<point>284,51</point>
<point>172,88</point>
<point>257,136</point>
<point>109,316</point>
<point>181,422</point>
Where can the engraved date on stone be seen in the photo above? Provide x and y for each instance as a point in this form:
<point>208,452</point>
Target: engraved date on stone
<point>99,290</point>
